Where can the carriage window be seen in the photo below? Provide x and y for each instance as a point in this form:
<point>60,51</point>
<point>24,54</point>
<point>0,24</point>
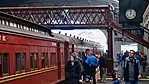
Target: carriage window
<point>27,28</point>
<point>4,63</point>
<point>23,61</point>
<point>53,59</point>
<point>24,27</point>
<point>18,26</point>
<point>37,31</point>
<point>11,24</point>
<point>15,25</point>
<point>34,61</point>
<point>45,62</point>
<point>3,21</point>
<point>0,21</point>
<point>7,23</point>
<point>32,29</point>
<point>20,62</point>
<point>21,26</point>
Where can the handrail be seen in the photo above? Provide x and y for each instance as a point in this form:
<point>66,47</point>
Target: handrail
<point>130,35</point>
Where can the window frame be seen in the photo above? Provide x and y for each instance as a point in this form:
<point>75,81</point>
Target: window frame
<point>46,60</point>
<point>20,70</point>
<point>2,64</point>
<point>53,60</point>
<point>35,56</point>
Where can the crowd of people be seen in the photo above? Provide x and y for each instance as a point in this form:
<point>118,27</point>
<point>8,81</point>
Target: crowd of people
<point>137,55</point>
<point>132,64</point>
<point>80,67</point>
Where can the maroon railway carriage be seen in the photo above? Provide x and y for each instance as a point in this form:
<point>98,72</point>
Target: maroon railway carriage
<point>30,54</point>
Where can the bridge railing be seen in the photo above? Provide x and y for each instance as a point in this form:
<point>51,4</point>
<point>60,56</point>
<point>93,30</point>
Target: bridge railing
<point>95,16</point>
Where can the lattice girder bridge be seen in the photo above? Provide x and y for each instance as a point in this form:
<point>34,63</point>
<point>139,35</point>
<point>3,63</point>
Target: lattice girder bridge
<point>59,16</point>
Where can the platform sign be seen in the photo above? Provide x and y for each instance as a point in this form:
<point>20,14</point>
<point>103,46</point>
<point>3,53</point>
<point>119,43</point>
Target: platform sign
<point>131,11</point>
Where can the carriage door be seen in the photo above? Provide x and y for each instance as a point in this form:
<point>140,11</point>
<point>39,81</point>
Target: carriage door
<point>66,51</point>
<point>59,60</point>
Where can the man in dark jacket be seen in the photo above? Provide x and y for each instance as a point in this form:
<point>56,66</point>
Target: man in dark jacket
<point>73,71</point>
<point>102,65</point>
<point>131,69</point>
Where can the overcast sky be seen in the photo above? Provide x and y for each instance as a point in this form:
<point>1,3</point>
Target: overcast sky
<point>89,34</point>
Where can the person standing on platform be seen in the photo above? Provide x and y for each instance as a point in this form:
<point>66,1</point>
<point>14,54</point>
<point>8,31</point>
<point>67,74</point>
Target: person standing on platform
<point>73,71</point>
<point>131,70</point>
<point>143,60</point>
<point>102,65</point>
<point>92,62</point>
<point>85,66</point>
<point>80,62</point>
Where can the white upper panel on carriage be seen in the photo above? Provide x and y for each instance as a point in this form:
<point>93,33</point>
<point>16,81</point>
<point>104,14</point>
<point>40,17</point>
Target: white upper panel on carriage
<point>14,24</point>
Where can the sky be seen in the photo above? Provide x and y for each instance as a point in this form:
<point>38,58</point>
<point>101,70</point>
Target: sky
<point>89,34</point>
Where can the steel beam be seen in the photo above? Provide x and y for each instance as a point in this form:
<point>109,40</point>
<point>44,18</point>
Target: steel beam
<point>63,15</point>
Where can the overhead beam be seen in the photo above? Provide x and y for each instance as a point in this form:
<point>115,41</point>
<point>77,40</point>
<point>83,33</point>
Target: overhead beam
<point>64,16</point>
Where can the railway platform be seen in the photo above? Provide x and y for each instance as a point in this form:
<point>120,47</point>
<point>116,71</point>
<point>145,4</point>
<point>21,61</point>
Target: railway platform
<point>109,81</point>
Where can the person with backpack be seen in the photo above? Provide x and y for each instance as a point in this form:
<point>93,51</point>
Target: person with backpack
<point>85,55</point>
<point>92,63</point>
<point>131,69</point>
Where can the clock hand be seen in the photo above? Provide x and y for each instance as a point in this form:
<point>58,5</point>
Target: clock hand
<point>130,12</point>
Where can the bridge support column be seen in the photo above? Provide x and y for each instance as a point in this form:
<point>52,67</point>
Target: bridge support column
<point>110,51</point>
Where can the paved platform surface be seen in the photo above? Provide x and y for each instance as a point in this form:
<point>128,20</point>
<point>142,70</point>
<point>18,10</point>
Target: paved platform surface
<point>111,82</point>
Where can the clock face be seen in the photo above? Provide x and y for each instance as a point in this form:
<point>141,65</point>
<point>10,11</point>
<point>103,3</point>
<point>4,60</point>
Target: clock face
<point>130,14</point>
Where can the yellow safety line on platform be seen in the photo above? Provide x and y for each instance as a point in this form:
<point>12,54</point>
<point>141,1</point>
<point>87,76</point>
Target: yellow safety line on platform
<point>26,75</point>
